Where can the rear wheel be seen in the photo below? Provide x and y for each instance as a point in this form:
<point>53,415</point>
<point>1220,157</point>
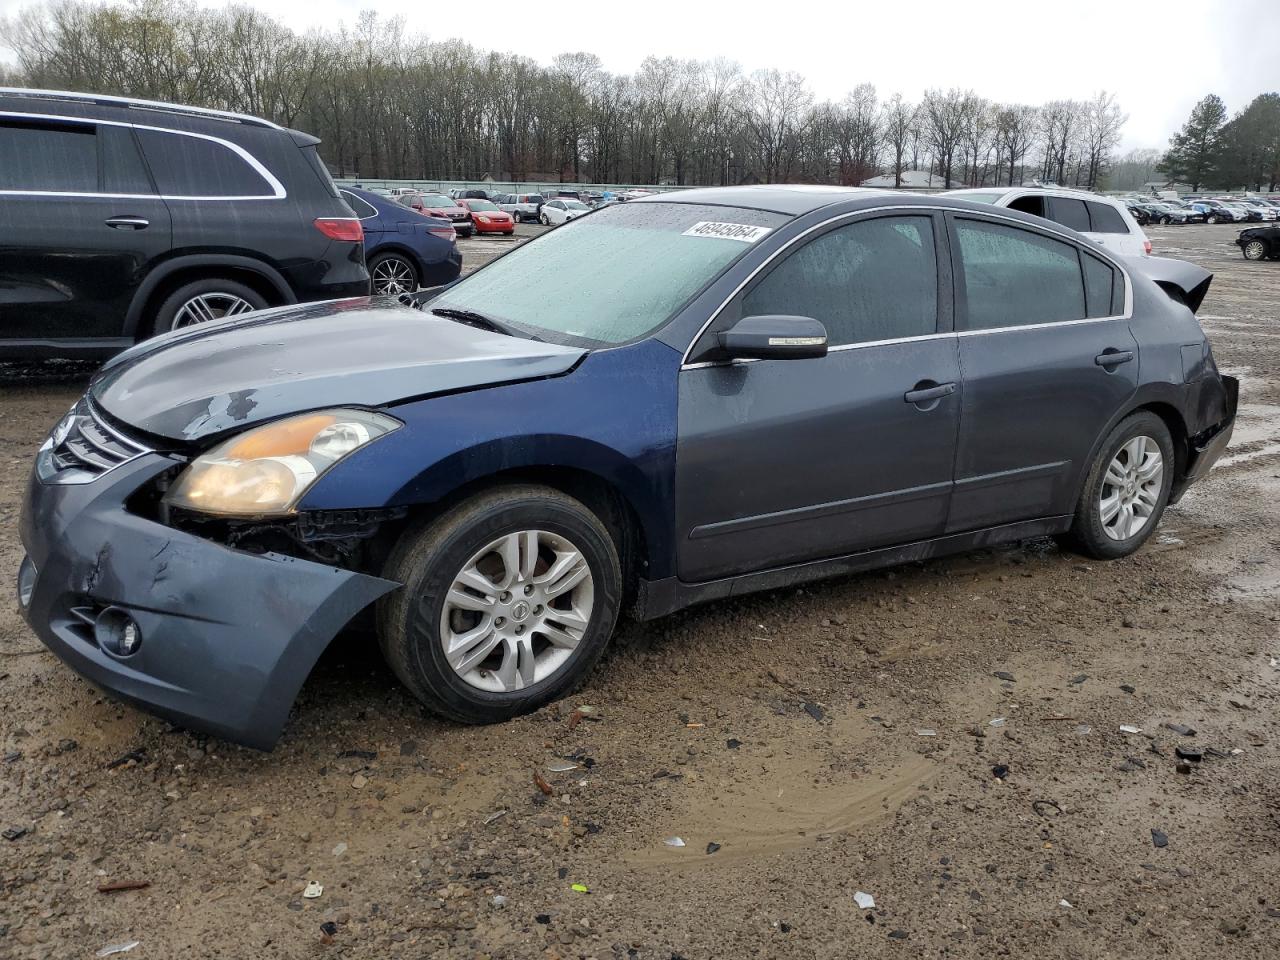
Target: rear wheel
<point>1127,489</point>
<point>508,601</point>
<point>1212,218</point>
<point>393,273</point>
<point>1255,250</point>
<point>203,300</point>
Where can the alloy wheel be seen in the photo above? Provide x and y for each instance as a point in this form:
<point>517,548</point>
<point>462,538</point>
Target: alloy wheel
<point>516,612</point>
<point>1131,488</point>
<point>393,275</point>
<point>1255,250</point>
<point>210,306</point>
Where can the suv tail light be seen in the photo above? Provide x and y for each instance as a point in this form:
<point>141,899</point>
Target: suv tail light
<point>340,228</point>
<point>1146,247</point>
<point>444,233</point>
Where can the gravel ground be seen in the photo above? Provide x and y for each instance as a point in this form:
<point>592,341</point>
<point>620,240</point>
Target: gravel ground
<point>787,732</point>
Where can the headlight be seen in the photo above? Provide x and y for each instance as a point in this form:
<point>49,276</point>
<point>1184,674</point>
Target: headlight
<point>265,471</point>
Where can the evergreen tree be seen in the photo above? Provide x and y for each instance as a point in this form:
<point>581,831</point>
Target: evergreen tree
<point>1193,152</point>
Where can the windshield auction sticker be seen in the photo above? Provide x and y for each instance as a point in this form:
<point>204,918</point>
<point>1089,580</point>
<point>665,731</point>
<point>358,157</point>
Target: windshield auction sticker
<point>728,231</point>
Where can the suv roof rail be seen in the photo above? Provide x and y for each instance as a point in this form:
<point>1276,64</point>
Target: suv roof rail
<point>137,104</point>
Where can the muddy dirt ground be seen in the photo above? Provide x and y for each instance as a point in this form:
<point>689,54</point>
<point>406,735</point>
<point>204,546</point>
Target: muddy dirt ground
<point>787,728</point>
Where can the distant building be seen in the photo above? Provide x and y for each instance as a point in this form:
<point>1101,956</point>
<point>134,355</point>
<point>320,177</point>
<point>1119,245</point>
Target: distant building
<point>911,180</point>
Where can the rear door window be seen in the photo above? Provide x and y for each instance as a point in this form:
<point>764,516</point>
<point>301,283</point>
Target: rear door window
<point>867,281</point>
<point>1069,212</point>
<point>1014,277</point>
<point>1106,219</point>
<point>190,167</point>
<point>49,157</point>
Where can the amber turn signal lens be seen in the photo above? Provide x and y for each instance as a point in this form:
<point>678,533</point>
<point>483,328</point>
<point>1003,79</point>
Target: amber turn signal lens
<point>288,438</point>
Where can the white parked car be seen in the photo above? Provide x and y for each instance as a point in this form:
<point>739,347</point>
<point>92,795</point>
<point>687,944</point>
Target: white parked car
<point>561,209</point>
<point>1103,220</point>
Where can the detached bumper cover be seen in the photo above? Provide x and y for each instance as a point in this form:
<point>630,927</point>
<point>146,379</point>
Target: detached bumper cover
<point>227,637</point>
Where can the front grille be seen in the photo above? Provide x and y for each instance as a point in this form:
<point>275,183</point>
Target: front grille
<point>85,446</point>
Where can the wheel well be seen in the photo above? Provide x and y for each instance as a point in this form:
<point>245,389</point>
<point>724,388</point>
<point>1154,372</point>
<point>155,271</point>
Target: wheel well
<point>595,493</point>
<point>399,250</point>
<point>251,279</point>
<point>1177,430</point>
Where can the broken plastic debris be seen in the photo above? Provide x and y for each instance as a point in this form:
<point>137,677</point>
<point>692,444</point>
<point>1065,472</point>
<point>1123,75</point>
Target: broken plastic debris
<point>579,888</point>
<point>1083,729</point>
<point>1004,675</point>
<point>313,891</point>
<point>340,849</point>
<point>926,732</point>
<point>562,766</point>
<point>1129,728</point>
<point>865,901</point>
<point>1064,903</point>
<point>1000,771</point>
<point>114,948</point>
<point>997,722</point>
<point>496,815</point>
<point>1180,728</point>
<point>499,901</point>
<point>674,842</point>
<point>1159,838</point>
<point>712,847</point>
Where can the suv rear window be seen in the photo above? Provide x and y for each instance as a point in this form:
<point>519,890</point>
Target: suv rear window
<point>1106,219</point>
<point>48,157</point>
<point>191,166</point>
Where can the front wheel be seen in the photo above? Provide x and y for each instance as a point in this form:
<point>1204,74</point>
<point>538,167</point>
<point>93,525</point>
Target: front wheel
<point>1165,221</point>
<point>508,601</point>
<point>1255,250</point>
<point>1127,489</point>
<point>542,219</point>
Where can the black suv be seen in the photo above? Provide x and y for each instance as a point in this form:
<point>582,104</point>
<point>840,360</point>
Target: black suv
<point>121,218</point>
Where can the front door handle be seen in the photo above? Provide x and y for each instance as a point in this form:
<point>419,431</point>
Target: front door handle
<point>127,223</point>
<point>928,394</point>
<point>1113,358</point>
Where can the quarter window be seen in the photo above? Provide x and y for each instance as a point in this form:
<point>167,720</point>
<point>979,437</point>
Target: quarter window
<point>1014,277</point>
<point>186,166</point>
<point>1106,219</point>
<point>870,280</point>
<point>48,157</point>
<point>361,207</point>
<point>1103,289</point>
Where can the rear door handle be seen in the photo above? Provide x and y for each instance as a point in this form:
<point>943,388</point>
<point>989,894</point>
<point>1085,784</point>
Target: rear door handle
<point>928,394</point>
<point>1112,358</point>
<point>127,223</point>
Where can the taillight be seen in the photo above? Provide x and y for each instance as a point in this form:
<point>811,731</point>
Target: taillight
<point>444,233</point>
<point>340,228</point>
<point>1146,247</point>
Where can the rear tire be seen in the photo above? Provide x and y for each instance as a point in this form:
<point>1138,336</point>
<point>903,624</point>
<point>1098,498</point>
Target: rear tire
<point>211,298</point>
<point>1212,218</point>
<point>461,591</point>
<point>393,273</point>
<point>1126,491</point>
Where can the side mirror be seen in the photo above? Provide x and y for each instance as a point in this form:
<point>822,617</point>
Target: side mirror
<point>775,338</point>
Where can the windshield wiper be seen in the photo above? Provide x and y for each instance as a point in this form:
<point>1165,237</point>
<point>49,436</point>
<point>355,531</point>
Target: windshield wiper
<point>473,319</point>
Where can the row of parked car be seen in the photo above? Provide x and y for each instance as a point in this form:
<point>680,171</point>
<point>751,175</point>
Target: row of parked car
<point>1202,210</point>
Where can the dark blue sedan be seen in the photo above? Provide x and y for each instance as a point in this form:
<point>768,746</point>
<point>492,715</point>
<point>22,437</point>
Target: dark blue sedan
<point>403,249</point>
<point>678,399</point>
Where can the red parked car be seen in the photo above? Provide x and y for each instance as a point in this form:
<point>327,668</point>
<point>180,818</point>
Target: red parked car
<point>438,205</point>
<point>488,218</point>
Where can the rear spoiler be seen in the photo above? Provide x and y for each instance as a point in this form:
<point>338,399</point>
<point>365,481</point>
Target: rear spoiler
<point>1183,281</point>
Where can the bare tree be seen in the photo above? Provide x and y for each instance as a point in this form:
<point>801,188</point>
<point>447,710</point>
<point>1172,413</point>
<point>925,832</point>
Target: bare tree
<point>898,122</point>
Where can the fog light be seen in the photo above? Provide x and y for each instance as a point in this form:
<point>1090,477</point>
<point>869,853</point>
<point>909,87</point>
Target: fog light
<point>26,581</point>
<point>117,633</point>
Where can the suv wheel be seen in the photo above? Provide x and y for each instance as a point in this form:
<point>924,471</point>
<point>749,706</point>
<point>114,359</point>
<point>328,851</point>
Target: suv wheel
<point>204,300</point>
<point>1255,250</point>
<point>393,274</point>
<point>508,601</point>
<point>1127,489</point>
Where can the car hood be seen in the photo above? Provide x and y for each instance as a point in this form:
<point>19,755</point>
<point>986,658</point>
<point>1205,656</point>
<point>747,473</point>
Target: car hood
<point>225,375</point>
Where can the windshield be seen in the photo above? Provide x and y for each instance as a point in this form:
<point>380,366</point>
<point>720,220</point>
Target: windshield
<point>435,200</point>
<point>991,197</point>
<point>481,205</point>
<point>576,205</point>
<point>613,276</point>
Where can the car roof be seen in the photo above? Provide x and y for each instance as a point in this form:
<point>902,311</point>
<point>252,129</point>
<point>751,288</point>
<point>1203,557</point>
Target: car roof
<point>1037,191</point>
<point>154,107</point>
<point>793,199</point>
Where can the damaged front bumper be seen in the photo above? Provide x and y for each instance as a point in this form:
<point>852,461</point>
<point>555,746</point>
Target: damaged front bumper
<point>225,638</point>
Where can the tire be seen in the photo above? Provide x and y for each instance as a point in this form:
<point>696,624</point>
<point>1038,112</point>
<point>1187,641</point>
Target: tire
<point>201,300</point>
<point>415,622</point>
<point>1089,533</point>
<point>1165,221</point>
<point>542,219</point>
<point>397,271</point>
<point>1255,250</point>
<point>508,233</point>
<point>1212,218</point>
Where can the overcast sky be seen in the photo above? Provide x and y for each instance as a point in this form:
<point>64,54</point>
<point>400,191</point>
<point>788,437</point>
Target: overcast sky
<point>1159,57</point>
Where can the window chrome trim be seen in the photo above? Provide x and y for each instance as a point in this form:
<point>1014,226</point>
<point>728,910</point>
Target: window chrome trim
<point>1102,253</point>
<point>278,191</point>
